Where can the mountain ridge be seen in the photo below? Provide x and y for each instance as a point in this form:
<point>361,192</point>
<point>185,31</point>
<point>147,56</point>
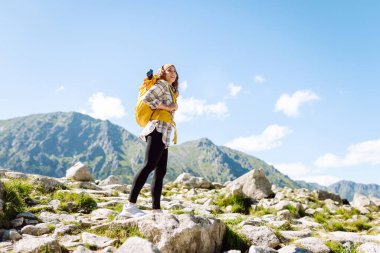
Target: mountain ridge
<point>49,143</point>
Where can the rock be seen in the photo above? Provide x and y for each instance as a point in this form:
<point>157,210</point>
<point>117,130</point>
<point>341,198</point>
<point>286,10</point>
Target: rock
<point>352,237</point>
<point>46,184</point>
<point>101,214</point>
<point>369,247</point>
<point>293,249</point>
<point>179,233</point>
<point>12,235</point>
<point>323,195</point>
<point>27,215</point>
<point>117,187</point>
<point>18,222</point>
<point>137,244</point>
<point>48,217</point>
<point>82,249</point>
<point>330,205</point>
<point>313,244</point>
<point>15,175</point>
<point>85,185</point>
<point>110,180</point>
<point>189,181</point>
<point>284,215</point>
<point>79,172</point>
<point>232,251</point>
<point>260,236</point>
<point>293,235</point>
<point>253,185</point>
<point>37,244</point>
<point>261,249</point>
<point>55,203</point>
<point>97,241</point>
<point>361,201</point>
<point>39,229</point>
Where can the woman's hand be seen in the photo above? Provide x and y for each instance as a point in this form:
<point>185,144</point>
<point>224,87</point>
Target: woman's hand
<point>173,107</point>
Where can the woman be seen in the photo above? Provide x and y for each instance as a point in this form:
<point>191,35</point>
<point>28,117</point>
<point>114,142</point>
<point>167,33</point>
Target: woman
<point>157,135</point>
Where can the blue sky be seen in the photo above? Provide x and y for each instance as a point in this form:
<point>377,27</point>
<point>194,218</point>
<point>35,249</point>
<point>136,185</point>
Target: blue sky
<point>295,83</point>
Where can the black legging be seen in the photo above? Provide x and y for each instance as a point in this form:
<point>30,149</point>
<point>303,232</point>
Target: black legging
<point>156,158</point>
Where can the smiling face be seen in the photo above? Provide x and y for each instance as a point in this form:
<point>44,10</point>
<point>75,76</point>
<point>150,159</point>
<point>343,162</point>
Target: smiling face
<point>170,74</point>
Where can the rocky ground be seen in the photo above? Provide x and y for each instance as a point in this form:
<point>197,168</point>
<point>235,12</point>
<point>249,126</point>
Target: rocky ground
<point>77,214</point>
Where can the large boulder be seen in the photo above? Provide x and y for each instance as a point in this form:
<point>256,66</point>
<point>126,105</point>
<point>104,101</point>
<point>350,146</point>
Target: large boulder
<point>79,172</point>
<point>189,181</point>
<point>178,233</point>
<point>260,236</point>
<point>369,247</point>
<point>253,185</point>
<point>323,195</point>
<point>37,244</point>
<point>361,201</point>
<point>110,180</point>
<point>137,245</point>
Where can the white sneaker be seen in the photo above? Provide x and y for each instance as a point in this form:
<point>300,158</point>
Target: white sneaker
<point>131,211</point>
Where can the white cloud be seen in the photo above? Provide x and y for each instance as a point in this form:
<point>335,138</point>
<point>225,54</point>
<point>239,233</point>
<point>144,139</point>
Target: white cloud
<point>105,107</point>
<point>367,152</point>
<point>270,138</point>
<point>259,79</point>
<point>233,89</point>
<point>293,170</point>
<point>289,104</point>
<point>324,180</point>
<point>183,86</point>
<point>189,108</point>
<point>60,89</point>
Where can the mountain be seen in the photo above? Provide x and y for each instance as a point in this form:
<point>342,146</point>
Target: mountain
<point>49,144</point>
<point>347,189</point>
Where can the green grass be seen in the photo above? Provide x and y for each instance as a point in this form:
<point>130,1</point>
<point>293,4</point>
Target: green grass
<point>239,204</point>
<point>347,214</point>
<point>234,240</point>
<point>15,191</point>
<point>321,217</point>
<point>261,211</point>
<point>341,225</point>
<point>233,222</point>
<point>75,202</point>
<point>118,233</point>
<point>336,247</point>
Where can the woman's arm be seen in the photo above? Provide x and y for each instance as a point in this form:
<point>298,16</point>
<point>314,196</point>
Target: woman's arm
<point>153,99</point>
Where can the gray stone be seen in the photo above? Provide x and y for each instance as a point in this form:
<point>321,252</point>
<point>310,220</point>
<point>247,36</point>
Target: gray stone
<point>47,184</point>
<point>260,236</point>
<point>37,244</point>
<point>110,180</point>
<point>293,235</point>
<point>79,172</point>
<point>189,181</point>
<point>261,249</point>
<point>369,247</point>
<point>12,235</point>
<point>179,233</point>
<point>97,241</point>
<point>323,195</point>
<point>293,249</point>
<point>253,185</point>
<point>82,249</point>
<point>137,244</point>
<point>313,244</point>
<point>39,229</point>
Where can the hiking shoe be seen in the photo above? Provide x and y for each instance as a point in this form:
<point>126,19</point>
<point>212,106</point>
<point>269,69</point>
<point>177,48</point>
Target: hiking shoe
<point>131,211</point>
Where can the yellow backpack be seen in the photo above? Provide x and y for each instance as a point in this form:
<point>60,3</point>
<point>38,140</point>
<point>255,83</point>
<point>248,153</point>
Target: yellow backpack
<point>143,113</point>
